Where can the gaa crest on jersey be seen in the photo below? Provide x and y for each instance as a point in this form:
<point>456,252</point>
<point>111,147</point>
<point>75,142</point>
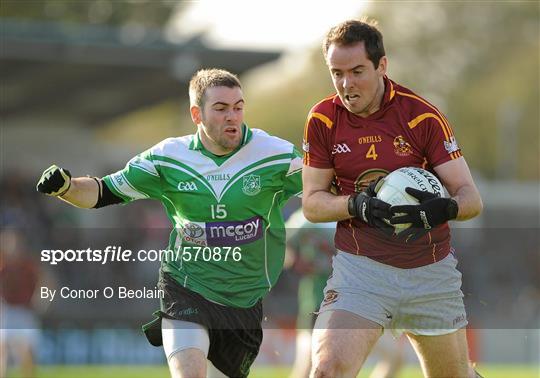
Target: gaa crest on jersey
<point>401,146</point>
<point>340,148</point>
<point>251,184</point>
<point>187,186</point>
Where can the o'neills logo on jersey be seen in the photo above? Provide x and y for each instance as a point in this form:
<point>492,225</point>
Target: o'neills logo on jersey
<point>234,232</point>
<point>402,147</point>
<point>370,139</point>
<point>218,177</point>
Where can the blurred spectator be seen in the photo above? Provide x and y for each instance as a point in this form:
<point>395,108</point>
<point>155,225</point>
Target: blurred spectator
<point>19,326</point>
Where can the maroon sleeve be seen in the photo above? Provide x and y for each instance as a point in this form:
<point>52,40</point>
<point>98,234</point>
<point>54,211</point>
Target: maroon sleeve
<point>439,141</point>
<point>316,143</point>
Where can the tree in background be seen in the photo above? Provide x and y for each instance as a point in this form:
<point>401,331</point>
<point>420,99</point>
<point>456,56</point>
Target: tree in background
<point>478,61</point>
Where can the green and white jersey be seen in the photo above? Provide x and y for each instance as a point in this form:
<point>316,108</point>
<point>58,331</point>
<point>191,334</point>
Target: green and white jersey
<point>229,234</point>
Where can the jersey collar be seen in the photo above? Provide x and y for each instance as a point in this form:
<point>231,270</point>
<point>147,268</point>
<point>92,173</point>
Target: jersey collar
<point>196,143</point>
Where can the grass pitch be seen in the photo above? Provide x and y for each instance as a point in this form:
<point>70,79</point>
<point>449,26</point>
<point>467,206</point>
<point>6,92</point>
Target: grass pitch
<point>153,371</point>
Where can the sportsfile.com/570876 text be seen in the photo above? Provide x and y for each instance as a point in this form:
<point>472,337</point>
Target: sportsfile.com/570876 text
<point>119,254</point>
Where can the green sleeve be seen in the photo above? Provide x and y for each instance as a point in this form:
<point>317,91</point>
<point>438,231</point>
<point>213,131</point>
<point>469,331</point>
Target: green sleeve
<point>293,179</point>
<point>139,179</point>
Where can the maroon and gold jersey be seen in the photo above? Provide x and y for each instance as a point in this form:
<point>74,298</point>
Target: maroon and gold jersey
<point>406,131</point>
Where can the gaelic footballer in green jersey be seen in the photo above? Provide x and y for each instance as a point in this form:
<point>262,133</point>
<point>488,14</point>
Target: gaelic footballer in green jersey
<point>223,189</point>
<point>224,205</point>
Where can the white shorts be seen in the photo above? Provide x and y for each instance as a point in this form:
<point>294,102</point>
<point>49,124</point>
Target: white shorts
<point>423,301</point>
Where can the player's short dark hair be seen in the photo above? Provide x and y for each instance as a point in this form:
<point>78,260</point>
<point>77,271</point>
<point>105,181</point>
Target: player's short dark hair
<point>353,31</point>
<point>207,78</point>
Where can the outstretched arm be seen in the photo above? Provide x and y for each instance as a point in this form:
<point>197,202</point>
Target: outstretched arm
<point>83,192</point>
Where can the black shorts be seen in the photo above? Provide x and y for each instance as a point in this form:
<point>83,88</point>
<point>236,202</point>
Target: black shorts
<point>235,333</point>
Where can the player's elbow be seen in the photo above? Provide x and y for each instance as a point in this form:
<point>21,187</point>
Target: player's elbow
<point>310,216</point>
<point>479,206</point>
<point>472,209</point>
<point>309,209</point>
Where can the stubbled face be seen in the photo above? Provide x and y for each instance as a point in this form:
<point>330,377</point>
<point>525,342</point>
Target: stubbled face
<point>220,119</point>
<point>359,84</point>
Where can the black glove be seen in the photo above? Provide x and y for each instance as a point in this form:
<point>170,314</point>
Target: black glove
<point>374,186</point>
<point>366,207</point>
<point>54,181</point>
<point>430,212</point>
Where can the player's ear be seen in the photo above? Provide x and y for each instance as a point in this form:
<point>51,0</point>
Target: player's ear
<point>383,66</point>
<point>195,112</point>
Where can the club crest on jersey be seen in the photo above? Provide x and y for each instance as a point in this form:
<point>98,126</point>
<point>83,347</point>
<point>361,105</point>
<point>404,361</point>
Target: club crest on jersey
<point>251,184</point>
<point>451,146</point>
<point>330,297</point>
<point>402,147</point>
<point>364,179</point>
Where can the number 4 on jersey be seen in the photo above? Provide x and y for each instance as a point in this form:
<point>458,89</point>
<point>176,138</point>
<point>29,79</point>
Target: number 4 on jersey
<point>372,154</point>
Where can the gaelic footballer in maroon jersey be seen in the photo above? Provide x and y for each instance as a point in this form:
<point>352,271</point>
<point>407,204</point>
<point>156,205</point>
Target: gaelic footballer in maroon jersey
<point>405,131</point>
<point>371,127</point>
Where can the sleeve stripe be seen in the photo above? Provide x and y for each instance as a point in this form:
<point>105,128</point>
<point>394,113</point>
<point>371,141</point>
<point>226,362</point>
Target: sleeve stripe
<point>412,124</point>
<point>293,172</point>
<point>144,169</point>
<point>144,165</point>
<point>449,131</point>
<point>135,191</point>
<point>127,189</point>
<point>306,153</point>
<point>294,166</point>
<point>327,121</point>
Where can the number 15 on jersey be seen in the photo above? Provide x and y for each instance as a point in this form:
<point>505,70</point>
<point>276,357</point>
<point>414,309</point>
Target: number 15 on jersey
<point>218,211</point>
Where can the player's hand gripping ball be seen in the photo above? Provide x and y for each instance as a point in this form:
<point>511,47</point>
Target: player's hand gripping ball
<point>417,199</point>
<point>54,181</point>
<point>368,208</point>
